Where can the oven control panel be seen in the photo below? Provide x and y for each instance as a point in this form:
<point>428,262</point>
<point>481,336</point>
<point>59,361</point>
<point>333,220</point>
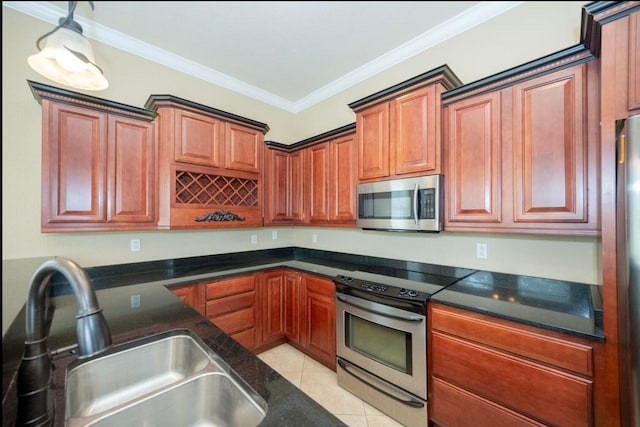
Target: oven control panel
<point>380,289</point>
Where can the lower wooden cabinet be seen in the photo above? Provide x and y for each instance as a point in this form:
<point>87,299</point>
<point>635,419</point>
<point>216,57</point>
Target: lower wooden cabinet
<point>492,372</point>
<point>299,308</point>
<point>232,305</point>
<point>280,290</point>
<point>319,320</point>
<point>188,294</point>
<point>262,309</point>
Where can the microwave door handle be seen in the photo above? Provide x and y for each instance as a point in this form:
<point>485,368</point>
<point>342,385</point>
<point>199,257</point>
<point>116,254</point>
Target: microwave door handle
<point>415,203</point>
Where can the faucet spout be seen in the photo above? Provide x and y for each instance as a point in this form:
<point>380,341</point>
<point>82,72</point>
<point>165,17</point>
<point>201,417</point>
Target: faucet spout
<point>35,405</point>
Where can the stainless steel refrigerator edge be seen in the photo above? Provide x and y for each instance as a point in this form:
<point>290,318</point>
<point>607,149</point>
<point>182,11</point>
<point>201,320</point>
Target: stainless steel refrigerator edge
<point>628,206</point>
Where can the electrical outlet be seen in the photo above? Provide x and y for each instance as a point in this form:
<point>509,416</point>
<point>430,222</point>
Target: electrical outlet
<point>135,301</point>
<point>481,251</point>
<point>274,235</point>
<point>135,245</point>
<point>254,239</point>
<point>314,238</point>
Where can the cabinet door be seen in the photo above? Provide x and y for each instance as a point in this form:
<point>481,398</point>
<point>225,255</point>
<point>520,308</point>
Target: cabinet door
<point>343,180</point>
<point>373,142</point>
<point>414,118</point>
<point>284,181</point>
<point>273,305</point>
<point>550,148</point>
<point>131,188</point>
<point>243,150</point>
<point>472,151</point>
<point>317,170</point>
<point>292,283</point>
<point>295,195</point>
<point>277,170</point>
<point>74,165</point>
<point>320,319</point>
<point>199,139</point>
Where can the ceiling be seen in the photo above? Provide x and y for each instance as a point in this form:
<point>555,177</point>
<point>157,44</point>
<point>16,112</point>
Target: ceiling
<point>290,54</point>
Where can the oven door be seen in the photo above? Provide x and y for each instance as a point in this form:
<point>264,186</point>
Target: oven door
<point>384,341</point>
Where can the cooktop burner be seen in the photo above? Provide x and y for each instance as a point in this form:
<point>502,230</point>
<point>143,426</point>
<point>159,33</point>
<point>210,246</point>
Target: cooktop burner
<point>368,285</point>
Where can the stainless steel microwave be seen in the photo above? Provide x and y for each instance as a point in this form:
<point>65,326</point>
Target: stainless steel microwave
<point>407,204</point>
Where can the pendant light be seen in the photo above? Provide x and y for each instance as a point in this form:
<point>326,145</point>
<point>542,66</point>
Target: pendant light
<point>67,57</point>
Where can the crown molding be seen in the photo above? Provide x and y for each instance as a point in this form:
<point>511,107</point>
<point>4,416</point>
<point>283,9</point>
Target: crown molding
<point>458,24</point>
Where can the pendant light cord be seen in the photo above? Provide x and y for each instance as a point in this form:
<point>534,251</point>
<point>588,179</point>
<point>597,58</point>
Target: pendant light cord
<point>67,22</point>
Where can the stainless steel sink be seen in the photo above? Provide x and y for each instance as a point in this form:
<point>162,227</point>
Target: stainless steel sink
<point>168,379</point>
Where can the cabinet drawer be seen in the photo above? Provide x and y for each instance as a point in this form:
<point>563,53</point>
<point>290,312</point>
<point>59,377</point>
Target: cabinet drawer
<point>563,354</point>
<point>230,286</point>
<point>548,395</point>
<point>453,406</point>
<point>236,321</point>
<point>230,303</point>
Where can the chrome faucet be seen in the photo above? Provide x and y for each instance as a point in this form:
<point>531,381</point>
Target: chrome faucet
<point>35,403</point>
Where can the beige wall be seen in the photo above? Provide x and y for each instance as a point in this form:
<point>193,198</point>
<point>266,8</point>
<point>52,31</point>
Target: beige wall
<point>525,33</point>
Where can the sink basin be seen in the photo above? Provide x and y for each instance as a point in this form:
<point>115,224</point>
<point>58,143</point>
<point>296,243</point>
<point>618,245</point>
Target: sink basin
<point>168,379</point>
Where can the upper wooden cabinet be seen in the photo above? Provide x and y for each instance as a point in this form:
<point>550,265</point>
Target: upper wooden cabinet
<point>398,129</point>
<point>98,163</point>
<point>243,148</point>
<point>199,139</point>
<point>312,181</point>
<point>521,151</point>
<point>611,30</point>
<point>209,166</point>
<point>330,185</point>
<point>283,183</point>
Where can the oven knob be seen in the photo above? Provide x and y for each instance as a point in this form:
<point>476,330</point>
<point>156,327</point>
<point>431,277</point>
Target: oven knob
<point>413,293</point>
<point>402,291</point>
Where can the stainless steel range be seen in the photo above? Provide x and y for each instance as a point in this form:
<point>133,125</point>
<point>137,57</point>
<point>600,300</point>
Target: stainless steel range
<point>381,331</point>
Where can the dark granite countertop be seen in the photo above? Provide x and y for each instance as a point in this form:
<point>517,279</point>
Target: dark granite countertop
<point>571,308</point>
<point>159,311</point>
<point>568,307</point>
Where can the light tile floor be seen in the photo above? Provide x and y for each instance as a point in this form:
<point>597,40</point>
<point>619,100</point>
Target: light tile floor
<point>321,384</point>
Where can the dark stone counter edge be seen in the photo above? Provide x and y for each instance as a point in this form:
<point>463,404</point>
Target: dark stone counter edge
<point>181,271</point>
<point>597,336</point>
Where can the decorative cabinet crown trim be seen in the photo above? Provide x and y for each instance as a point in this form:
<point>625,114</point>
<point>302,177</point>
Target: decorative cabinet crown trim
<point>42,91</point>
<point>156,101</point>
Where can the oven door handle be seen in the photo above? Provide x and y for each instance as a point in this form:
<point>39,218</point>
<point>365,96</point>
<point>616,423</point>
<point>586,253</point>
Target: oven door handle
<point>408,317</point>
<point>413,402</point>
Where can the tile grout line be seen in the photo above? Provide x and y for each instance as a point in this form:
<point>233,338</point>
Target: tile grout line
<point>301,373</point>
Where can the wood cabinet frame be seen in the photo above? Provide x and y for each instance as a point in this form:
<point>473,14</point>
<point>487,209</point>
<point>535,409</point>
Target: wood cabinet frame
<point>398,129</point>
<point>204,152</point>
<point>98,163</point>
<point>520,151</point>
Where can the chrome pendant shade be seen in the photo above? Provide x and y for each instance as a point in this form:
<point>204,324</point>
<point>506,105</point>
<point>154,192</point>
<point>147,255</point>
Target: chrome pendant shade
<point>67,57</point>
